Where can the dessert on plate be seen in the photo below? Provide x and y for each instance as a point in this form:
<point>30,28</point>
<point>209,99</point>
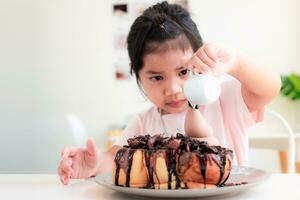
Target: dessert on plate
<point>178,162</point>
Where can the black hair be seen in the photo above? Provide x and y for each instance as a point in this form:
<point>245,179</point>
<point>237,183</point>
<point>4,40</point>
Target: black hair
<point>157,25</point>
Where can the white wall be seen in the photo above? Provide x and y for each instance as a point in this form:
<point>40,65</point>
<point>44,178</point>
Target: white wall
<point>265,30</point>
<point>56,58</point>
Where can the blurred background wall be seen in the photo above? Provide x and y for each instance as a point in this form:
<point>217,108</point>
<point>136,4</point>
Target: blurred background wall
<point>56,59</point>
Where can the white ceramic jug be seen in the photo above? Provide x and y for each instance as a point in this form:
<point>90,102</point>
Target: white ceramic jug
<point>202,89</point>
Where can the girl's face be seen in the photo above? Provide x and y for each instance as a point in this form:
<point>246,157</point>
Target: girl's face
<point>162,78</point>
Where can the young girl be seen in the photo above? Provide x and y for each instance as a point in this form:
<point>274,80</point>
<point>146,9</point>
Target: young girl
<point>164,45</point>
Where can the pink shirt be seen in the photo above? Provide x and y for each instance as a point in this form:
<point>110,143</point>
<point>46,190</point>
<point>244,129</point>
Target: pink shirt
<point>229,117</point>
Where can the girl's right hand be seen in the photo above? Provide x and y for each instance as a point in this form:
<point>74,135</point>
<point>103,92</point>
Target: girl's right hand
<point>213,58</point>
<point>79,162</point>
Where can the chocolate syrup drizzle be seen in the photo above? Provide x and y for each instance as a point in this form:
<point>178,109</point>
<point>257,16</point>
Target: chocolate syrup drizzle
<point>170,146</point>
<point>148,155</point>
<point>130,156</point>
<point>118,157</point>
<point>203,163</point>
<point>171,165</point>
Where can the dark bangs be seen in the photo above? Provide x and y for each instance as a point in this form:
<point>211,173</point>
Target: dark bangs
<point>181,42</point>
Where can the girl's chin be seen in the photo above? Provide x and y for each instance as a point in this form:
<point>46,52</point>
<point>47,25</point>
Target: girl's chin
<point>171,110</point>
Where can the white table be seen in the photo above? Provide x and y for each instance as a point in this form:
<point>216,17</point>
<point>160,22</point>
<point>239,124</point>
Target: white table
<point>279,186</point>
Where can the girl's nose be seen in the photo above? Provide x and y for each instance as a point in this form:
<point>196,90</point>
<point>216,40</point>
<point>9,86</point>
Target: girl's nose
<point>173,87</point>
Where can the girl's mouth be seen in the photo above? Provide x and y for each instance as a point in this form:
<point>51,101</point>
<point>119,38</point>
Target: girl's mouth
<point>176,103</point>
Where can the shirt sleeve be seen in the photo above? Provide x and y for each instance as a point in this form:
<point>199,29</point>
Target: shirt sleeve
<point>235,107</point>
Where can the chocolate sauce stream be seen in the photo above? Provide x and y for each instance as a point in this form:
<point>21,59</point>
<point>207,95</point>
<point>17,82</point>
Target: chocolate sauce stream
<point>118,157</point>
<point>130,158</point>
<point>171,166</point>
<point>222,167</point>
<point>228,174</point>
<point>148,155</point>
<point>203,163</point>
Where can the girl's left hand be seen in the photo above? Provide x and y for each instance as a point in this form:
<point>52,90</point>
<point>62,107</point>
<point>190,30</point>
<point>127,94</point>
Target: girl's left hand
<point>211,58</point>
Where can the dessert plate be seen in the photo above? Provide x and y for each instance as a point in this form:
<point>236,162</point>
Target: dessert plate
<point>241,178</point>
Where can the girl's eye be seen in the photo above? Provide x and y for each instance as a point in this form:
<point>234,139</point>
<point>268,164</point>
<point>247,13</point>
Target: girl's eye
<point>184,72</point>
<point>156,78</point>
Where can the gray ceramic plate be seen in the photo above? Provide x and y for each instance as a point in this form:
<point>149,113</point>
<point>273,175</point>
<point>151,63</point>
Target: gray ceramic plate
<point>251,176</point>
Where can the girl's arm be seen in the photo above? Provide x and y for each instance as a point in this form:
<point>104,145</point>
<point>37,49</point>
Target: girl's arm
<point>107,160</point>
<point>259,85</point>
<point>211,140</point>
<point>198,128</point>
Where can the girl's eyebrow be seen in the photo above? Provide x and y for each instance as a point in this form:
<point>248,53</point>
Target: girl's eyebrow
<point>153,72</point>
<point>179,68</point>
